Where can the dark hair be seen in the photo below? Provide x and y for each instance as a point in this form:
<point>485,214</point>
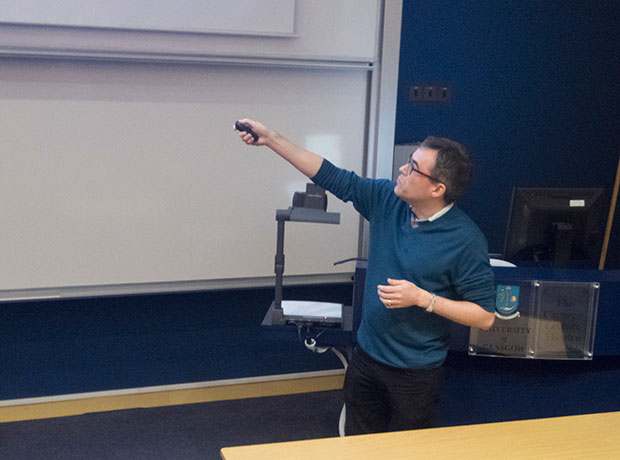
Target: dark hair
<point>452,165</point>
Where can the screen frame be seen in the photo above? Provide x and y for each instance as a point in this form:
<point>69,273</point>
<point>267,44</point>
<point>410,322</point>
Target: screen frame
<point>587,211</point>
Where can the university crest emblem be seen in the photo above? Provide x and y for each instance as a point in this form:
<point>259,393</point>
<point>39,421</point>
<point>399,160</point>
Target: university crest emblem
<point>507,302</point>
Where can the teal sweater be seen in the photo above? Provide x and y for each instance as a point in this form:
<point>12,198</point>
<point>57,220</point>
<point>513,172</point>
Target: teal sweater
<point>448,257</point>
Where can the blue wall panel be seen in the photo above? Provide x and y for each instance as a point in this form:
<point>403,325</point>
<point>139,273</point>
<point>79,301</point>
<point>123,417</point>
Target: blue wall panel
<point>83,345</point>
<point>535,94</point>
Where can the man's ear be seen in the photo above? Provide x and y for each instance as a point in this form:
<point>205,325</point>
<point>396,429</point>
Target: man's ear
<point>438,190</point>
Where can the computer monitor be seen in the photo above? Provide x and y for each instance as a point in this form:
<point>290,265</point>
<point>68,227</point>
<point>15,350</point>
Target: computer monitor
<point>555,227</point>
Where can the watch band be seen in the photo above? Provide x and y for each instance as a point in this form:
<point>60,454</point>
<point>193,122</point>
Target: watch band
<point>431,304</point>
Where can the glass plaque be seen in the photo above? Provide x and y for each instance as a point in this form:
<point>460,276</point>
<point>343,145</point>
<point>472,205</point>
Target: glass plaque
<point>511,333</point>
<point>540,319</point>
<point>566,319</point>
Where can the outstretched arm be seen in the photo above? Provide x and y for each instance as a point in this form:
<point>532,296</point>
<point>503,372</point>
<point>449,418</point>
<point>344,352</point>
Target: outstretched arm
<point>307,162</point>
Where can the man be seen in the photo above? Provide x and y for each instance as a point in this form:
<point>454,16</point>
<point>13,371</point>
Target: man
<point>428,265</point>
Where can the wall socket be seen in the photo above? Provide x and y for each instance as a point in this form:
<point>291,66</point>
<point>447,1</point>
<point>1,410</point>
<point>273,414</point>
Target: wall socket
<point>430,93</point>
<point>416,93</point>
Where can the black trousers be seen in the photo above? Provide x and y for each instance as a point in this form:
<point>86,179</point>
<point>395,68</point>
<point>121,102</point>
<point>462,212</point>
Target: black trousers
<point>381,398</point>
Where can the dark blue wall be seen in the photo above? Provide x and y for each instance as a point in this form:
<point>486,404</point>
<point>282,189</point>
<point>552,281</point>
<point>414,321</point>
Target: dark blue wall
<point>535,94</point>
<point>83,345</point>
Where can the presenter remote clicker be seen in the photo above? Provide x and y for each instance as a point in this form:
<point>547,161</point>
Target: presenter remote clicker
<point>246,128</point>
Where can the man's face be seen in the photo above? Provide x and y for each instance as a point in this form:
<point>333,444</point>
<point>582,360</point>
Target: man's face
<point>415,181</point>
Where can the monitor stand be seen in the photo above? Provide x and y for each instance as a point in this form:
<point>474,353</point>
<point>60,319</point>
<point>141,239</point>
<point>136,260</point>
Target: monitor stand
<point>562,243</point>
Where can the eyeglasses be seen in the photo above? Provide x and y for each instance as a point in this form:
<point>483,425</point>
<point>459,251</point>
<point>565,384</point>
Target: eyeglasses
<point>413,168</point>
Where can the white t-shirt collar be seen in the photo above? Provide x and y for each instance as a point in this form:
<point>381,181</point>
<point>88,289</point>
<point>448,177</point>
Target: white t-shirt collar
<point>435,216</point>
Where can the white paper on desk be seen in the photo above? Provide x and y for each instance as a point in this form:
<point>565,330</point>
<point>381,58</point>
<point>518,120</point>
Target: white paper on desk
<point>311,309</point>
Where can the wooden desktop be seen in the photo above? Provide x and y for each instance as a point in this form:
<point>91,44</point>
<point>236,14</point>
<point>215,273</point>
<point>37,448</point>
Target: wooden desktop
<point>591,437</point>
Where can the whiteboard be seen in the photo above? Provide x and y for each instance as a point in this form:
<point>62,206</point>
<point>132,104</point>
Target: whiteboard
<point>116,173</point>
<point>120,172</point>
<point>247,17</point>
<point>342,30</point>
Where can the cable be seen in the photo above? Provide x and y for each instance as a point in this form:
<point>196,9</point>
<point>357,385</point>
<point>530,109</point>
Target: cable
<point>341,357</point>
<point>310,344</point>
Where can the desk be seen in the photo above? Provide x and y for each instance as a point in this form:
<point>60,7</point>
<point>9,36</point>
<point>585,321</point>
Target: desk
<point>594,436</point>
